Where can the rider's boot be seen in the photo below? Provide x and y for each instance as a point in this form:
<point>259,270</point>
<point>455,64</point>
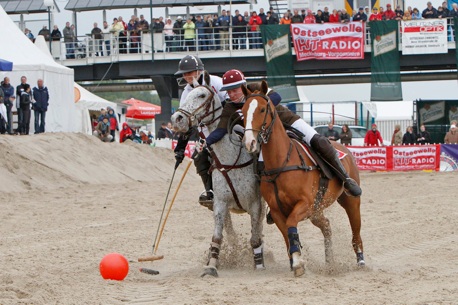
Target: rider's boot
<point>322,146</point>
<point>206,198</point>
<point>259,170</point>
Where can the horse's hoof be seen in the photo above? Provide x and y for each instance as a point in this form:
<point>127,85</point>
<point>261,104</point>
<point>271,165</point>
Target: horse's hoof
<point>260,267</point>
<point>361,263</point>
<point>360,259</point>
<point>210,271</point>
<point>299,271</point>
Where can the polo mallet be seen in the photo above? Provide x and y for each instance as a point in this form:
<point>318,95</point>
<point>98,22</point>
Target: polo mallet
<point>159,233</point>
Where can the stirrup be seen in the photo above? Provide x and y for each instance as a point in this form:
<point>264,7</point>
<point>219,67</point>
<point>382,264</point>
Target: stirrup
<point>206,200</point>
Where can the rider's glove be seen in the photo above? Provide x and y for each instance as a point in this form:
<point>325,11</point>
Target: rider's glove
<point>179,156</point>
<point>200,145</point>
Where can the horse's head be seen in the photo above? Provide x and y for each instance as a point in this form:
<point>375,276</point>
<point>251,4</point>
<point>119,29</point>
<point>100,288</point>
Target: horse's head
<point>199,105</point>
<point>258,113</point>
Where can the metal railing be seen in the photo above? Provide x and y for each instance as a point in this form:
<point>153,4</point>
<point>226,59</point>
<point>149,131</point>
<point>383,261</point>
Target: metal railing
<point>199,40</point>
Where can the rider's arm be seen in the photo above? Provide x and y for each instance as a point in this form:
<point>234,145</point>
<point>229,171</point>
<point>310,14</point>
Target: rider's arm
<point>183,141</point>
<point>274,97</point>
<point>215,136</point>
<point>221,130</point>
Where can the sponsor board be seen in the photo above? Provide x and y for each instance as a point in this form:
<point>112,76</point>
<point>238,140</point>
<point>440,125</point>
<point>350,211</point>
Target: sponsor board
<point>370,158</point>
<point>425,36</point>
<point>422,157</point>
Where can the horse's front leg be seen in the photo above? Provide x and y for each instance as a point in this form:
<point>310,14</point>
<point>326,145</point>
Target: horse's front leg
<point>219,212</point>
<point>257,216</point>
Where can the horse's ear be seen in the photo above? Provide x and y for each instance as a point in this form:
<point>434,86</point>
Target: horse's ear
<point>245,90</point>
<point>264,87</point>
<point>207,78</point>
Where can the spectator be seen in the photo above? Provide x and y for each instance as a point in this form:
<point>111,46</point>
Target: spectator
<point>334,17</point>
<point>3,115</point>
<point>179,31</point>
<point>454,11</point>
<point>423,136</point>
<point>40,105</point>
<point>429,12</point>
<point>96,34</point>
<point>135,31</point>
<point>189,34</point>
<point>106,38</point>
<point>125,133</point>
<point>409,9</point>
<point>407,16</point>
<point>319,18</point>
<point>103,114</point>
<point>453,114</point>
<point>360,15</point>
<point>254,34</point>
<point>94,121</point>
<point>239,30</point>
<point>215,32</point>
<point>69,39</point>
<point>441,13</point>
<point>169,36</point>
<point>326,14</point>
<point>445,8</point>
<point>201,35</point>
<point>373,137</point>
<point>164,132</point>
<point>263,16</point>
<point>409,137</point>
<point>270,19</point>
<point>223,22</point>
<point>170,128</point>
<point>116,29</point>
<point>273,14</point>
<point>122,22</point>
<point>246,16</point>
<point>396,139</point>
<point>296,17</point>
<point>23,101</point>
<point>382,13</point>
<point>344,17</point>
<point>309,18</point>
<point>416,14</point>
<point>375,16</point>
<point>399,13</point>
<point>56,34</point>
<point>8,92</point>
<point>367,11</point>
<point>331,134</point>
<point>346,135</point>
<point>303,14</point>
<point>113,119</point>
<point>158,25</point>
<point>29,34</point>
<point>452,136</point>
<point>102,131</point>
<point>45,32</point>
<point>210,32</point>
<point>144,23</point>
<point>285,19</point>
<point>389,13</point>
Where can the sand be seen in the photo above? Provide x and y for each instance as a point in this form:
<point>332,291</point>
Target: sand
<point>68,199</point>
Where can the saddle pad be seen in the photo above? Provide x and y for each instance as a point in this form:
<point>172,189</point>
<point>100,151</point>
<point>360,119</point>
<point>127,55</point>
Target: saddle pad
<point>307,151</point>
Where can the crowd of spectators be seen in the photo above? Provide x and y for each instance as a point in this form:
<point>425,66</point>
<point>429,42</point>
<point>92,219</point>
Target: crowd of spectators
<point>212,32</point>
<point>23,99</point>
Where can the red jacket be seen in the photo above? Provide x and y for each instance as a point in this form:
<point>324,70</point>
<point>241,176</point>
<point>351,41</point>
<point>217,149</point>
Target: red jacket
<point>255,22</point>
<point>375,17</point>
<point>125,132</point>
<point>389,14</point>
<point>309,19</point>
<point>334,18</point>
<point>373,138</point>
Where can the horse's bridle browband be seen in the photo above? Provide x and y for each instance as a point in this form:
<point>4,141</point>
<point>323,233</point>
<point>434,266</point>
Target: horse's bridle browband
<point>265,132</point>
<point>192,116</point>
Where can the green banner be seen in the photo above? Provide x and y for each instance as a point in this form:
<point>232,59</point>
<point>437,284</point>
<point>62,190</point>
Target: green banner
<point>279,61</point>
<point>385,69</point>
<point>455,23</point>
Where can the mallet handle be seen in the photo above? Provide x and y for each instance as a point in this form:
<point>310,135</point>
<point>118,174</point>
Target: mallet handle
<point>150,258</point>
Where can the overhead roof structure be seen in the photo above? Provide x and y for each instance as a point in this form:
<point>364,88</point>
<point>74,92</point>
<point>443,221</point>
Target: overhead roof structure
<point>25,6</point>
<point>94,5</point>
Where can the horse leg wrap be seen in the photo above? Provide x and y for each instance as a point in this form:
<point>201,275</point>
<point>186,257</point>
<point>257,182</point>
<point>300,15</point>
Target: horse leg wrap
<point>258,257</point>
<point>294,242</point>
<point>360,259</point>
<point>214,250</point>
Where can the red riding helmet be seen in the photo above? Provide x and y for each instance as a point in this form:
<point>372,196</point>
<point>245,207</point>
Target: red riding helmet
<point>233,79</point>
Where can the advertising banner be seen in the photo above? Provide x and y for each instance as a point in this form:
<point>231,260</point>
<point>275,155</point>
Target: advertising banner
<point>420,157</point>
<point>385,66</point>
<point>425,36</point>
<point>328,41</point>
<point>370,158</point>
<point>449,158</point>
<point>279,61</point>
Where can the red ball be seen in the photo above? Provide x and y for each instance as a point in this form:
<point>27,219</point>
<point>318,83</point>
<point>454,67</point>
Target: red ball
<point>114,266</point>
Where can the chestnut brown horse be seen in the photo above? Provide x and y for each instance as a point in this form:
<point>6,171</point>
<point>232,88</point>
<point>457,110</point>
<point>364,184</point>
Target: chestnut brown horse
<point>290,181</point>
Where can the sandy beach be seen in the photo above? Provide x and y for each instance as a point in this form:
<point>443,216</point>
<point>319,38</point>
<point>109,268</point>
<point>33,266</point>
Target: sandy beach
<point>68,199</point>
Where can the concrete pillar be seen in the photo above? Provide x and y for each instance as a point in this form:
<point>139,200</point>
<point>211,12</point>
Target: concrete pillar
<point>166,87</point>
<point>104,16</point>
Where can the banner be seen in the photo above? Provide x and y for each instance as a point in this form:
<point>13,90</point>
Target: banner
<point>416,157</point>
<point>385,70</point>
<point>449,157</point>
<point>370,158</point>
<point>189,148</point>
<point>455,21</point>
<point>279,61</point>
<point>328,41</point>
<point>425,36</point>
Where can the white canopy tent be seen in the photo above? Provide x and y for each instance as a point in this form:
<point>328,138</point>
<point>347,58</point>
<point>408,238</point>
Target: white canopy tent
<point>29,61</point>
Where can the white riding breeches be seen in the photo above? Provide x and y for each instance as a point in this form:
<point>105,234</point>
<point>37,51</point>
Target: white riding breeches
<point>303,127</point>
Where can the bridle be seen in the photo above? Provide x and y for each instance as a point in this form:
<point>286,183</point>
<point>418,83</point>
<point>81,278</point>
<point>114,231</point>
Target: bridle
<point>266,131</point>
<point>206,106</point>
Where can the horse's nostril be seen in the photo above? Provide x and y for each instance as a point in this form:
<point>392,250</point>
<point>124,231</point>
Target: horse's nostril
<point>179,118</point>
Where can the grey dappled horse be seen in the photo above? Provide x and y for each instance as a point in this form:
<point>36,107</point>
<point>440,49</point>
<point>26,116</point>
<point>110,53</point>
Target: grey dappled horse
<point>202,107</point>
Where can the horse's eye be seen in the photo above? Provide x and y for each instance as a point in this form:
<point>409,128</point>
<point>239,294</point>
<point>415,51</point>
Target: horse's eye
<point>263,110</point>
<point>202,95</point>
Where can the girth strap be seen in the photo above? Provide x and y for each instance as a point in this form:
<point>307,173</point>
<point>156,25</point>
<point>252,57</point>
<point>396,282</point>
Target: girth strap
<point>322,189</point>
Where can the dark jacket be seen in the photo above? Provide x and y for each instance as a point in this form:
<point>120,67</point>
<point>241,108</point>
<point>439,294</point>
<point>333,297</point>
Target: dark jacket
<point>429,13</point>
<point>360,17</point>
<point>332,133</point>
<point>423,134</point>
<point>41,97</point>
<point>240,26</point>
<point>326,16</point>
<point>409,138</point>
<point>8,91</point>
<point>345,137</point>
<point>164,133</point>
<point>297,19</point>
<point>56,34</point>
